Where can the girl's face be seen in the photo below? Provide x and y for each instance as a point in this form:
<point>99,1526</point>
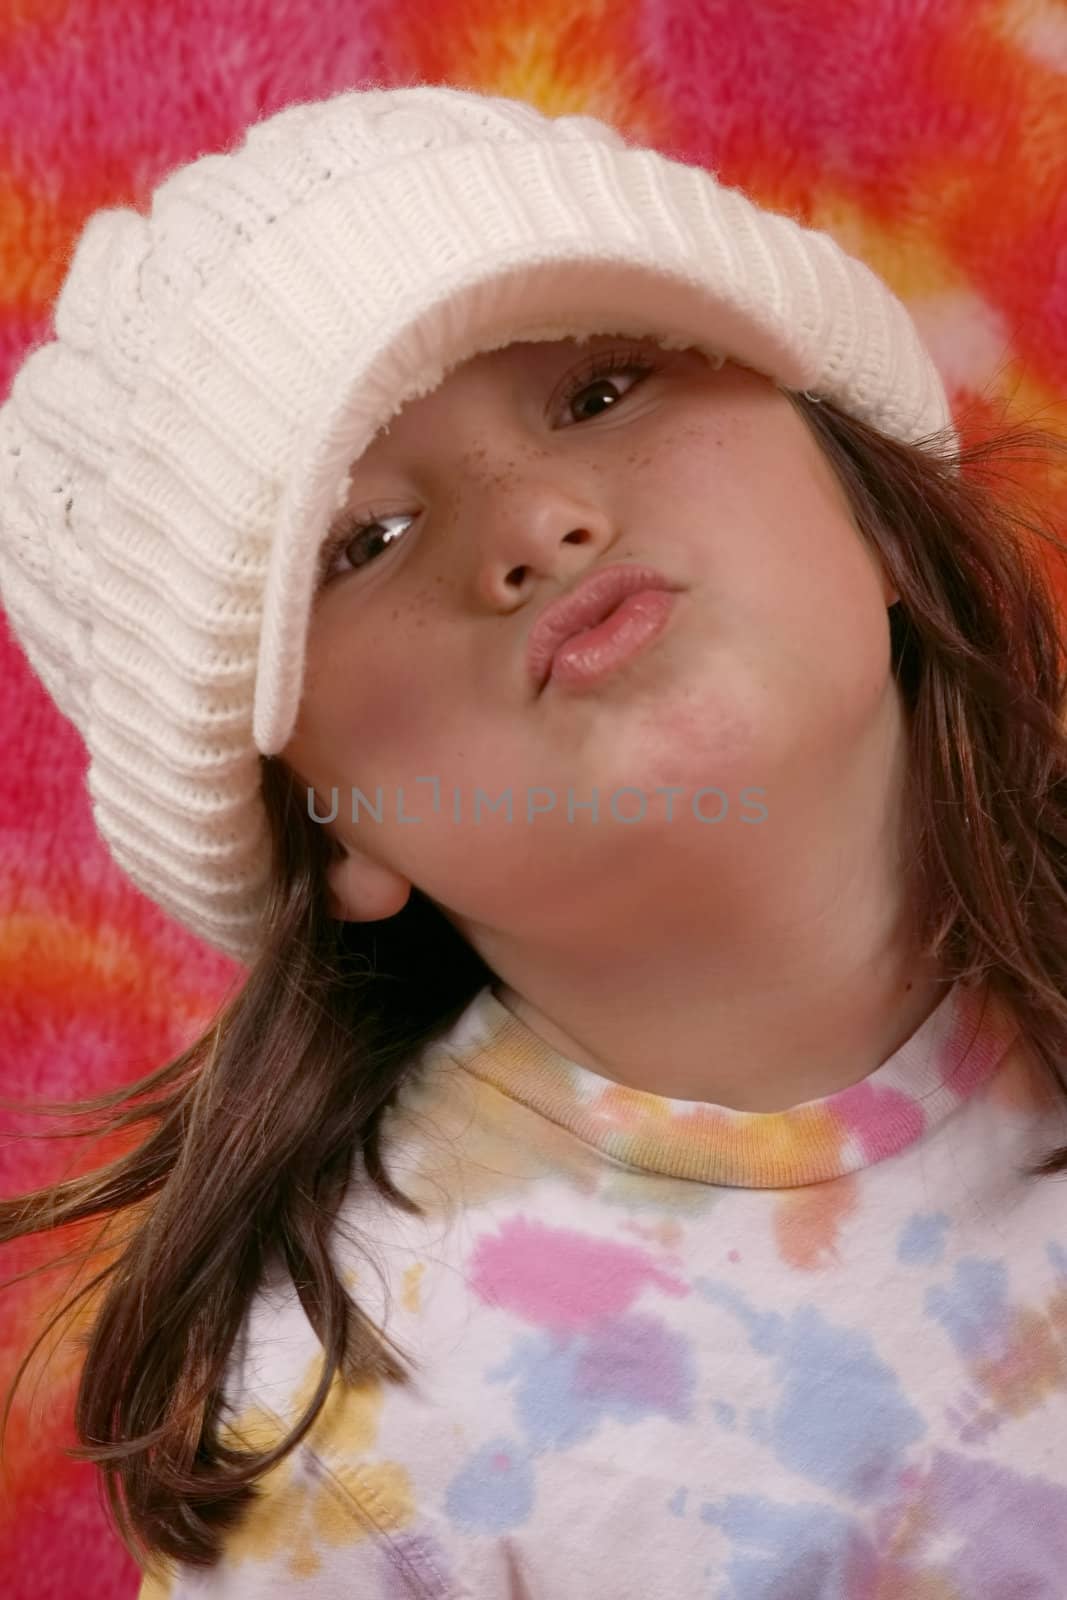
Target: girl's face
<point>520,475</point>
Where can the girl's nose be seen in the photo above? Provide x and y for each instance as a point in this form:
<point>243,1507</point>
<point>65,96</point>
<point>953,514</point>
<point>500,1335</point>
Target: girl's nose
<point>531,526</point>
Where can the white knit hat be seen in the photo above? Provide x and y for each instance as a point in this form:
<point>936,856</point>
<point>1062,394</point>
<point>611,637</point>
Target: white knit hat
<point>170,462</point>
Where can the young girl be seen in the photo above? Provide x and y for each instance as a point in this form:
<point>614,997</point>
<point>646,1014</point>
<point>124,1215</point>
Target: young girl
<point>523,599</point>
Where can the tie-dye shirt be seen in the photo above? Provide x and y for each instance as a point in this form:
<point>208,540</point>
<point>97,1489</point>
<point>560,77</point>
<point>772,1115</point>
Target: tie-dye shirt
<point>669,1349</point>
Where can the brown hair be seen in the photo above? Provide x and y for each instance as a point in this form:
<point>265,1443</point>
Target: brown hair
<point>253,1135</point>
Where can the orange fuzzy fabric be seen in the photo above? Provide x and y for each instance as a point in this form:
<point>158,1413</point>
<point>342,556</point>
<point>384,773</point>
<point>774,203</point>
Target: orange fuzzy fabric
<point>928,138</point>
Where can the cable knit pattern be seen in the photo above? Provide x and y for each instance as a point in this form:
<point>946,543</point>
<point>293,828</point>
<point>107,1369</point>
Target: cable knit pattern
<point>171,460</point>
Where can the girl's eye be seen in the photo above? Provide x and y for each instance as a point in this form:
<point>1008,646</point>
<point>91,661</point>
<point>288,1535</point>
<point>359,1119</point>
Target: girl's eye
<point>599,372</point>
<point>353,533</point>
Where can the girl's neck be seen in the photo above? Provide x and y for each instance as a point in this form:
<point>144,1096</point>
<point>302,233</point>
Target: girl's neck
<point>834,1042</point>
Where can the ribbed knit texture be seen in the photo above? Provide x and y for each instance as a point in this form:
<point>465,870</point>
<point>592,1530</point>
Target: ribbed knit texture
<point>960,1044</point>
<point>170,462</point>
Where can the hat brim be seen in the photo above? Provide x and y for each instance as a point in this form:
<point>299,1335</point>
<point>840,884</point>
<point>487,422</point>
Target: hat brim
<point>582,240</point>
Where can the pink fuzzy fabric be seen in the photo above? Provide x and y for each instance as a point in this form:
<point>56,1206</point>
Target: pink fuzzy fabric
<point>929,138</point>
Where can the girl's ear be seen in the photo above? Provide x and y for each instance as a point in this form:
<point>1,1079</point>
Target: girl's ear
<point>889,592</point>
<point>362,890</point>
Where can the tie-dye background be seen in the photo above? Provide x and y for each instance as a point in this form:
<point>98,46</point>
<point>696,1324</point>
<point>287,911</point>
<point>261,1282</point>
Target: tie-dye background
<point>929,136</point>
